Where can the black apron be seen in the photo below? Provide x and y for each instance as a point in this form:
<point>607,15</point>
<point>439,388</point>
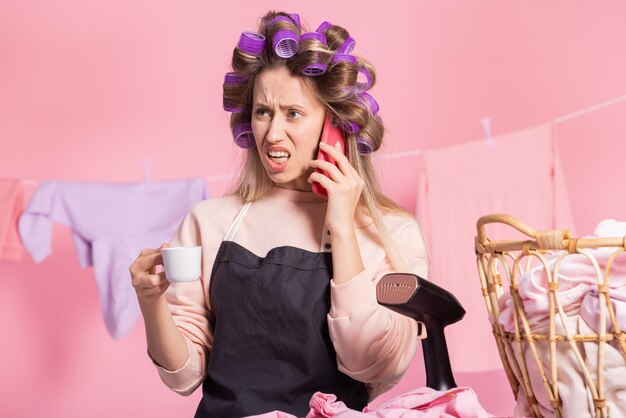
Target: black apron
<point>272,349</point>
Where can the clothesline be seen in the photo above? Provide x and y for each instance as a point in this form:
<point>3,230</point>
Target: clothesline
<point>555,121</point>
<point>416,152</point>
<point>209,179</point>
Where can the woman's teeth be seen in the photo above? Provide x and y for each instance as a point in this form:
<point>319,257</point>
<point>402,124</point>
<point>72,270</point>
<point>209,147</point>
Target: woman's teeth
<point>278,156</point>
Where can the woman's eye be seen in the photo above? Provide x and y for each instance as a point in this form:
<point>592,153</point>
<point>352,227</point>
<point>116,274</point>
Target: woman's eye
<point>260,111</point>
<point>294,112</point>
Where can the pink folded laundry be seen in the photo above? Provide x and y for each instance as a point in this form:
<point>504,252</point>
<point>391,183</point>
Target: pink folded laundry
<point>422,402</point>
<point>578,284</point>
<point>11,206</point>
<point>577,401</point>
<point>578,292</point>
<point>590,309</point>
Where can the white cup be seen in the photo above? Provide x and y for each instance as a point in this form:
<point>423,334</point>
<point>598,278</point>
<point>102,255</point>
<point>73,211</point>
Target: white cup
<point>182,264</point>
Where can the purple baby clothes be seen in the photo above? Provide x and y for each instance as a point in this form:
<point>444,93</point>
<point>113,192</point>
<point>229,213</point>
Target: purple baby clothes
<point>111,223</point>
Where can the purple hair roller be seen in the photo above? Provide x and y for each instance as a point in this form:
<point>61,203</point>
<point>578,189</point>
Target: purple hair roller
<point>365,146</point>
<point>251,43</point>
<point>292,21</point>
<point>314,35</point>
<point>361,87</point>
<point>243,135</point>
<point>351,127</point>
<point>285,43</point>
<point>315,69</point>
<point>323,27</point>
<point>232,106</point>
<point>343,57</point>
<point>347,46</point>
<point>296,18</point>
<point>233,78</point>
<point>369,101</point>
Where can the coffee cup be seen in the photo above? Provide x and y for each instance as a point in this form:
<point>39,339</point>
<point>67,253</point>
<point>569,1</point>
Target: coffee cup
<point>182,264</point>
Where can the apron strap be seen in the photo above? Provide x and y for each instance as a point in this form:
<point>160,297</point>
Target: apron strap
<point>233,227</point>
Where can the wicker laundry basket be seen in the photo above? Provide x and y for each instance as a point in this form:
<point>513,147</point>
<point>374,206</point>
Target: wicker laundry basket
<point>500,265</point>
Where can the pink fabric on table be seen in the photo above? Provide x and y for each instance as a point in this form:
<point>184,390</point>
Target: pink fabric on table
<point>325,405</point>
<point>520,175</point>
<point>422,402</point>
<point>11,207</point>
<point>426,402</point>
<point>273,414</point>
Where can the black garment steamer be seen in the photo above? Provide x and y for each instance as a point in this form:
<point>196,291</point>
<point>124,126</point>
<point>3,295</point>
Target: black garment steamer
<point>436,308</point>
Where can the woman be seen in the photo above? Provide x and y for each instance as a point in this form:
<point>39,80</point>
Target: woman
<point>286,304</point>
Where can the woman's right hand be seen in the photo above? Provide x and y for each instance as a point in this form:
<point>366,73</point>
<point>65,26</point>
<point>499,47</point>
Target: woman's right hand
<point>149,285</point>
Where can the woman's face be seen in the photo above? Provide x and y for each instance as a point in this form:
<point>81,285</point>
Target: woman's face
<point>287,122</point>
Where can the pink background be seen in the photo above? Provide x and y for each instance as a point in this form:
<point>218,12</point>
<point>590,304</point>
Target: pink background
<point>90,89</point>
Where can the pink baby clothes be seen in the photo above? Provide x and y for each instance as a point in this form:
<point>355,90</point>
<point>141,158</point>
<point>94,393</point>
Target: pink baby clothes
<point>422,402</point>
<point>590,306</point>
<point>111,224</point>
<point>11,207</point>
<point>578,284</point>
<point>520,175</point>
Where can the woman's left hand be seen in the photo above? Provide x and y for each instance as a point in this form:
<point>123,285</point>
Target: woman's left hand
<point>343,185</point>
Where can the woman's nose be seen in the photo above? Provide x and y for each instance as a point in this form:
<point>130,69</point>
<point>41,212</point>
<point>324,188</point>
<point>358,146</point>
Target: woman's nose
<point>276,132</point>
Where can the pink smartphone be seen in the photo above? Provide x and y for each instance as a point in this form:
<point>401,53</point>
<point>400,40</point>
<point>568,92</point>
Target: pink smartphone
<point>331,134</point>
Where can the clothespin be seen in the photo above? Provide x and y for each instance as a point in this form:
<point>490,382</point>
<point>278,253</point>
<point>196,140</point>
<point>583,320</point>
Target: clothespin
<point>146,174</point>
<point>486,122</point>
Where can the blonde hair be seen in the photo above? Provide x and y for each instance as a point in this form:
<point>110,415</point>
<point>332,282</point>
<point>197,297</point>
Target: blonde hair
<point>335,90</point>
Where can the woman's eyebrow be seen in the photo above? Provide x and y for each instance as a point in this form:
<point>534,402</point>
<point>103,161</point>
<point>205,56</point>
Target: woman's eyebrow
<point>292,106</point>
<point>287,106</point>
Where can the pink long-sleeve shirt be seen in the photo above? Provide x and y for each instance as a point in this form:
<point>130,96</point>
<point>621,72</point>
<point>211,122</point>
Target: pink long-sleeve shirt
<point>373,344</point>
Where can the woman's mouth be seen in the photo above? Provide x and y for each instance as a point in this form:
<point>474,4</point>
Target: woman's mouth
<point>277,159</point>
